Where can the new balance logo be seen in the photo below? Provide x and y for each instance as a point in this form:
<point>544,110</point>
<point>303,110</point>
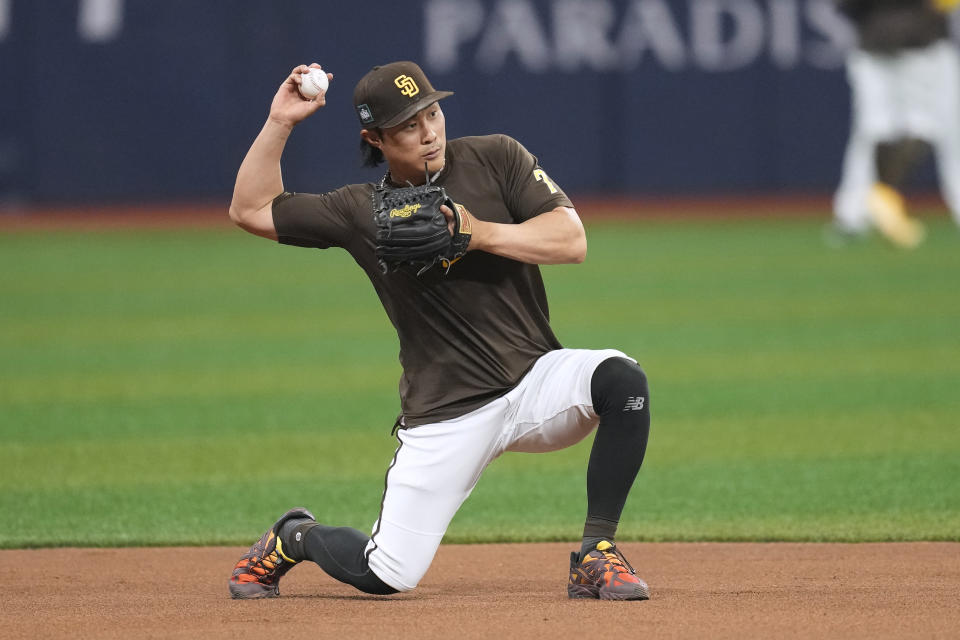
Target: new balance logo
<point>634,404</point>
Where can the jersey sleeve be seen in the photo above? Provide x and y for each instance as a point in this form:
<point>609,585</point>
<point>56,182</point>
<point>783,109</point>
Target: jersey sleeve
<point>529,190</point>
<point>312,220</point>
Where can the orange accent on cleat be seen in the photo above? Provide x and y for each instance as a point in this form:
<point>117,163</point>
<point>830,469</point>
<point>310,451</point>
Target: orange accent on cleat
<point>605,574</point>
<point>258,573</point>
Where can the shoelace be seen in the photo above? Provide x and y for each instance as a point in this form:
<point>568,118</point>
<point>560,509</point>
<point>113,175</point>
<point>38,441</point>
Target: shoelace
<point>613,557</point>
<point>255,564</point>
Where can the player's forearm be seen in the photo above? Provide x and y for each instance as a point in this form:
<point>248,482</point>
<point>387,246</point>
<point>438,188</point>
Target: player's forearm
<point>554,237</point>
<point>259,179</point>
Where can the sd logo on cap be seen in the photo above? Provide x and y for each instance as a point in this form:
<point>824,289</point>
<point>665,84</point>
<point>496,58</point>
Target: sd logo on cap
<point>391,93</point>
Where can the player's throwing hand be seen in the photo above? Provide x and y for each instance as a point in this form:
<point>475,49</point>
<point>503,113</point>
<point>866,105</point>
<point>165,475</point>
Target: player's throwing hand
<point>289,107</point>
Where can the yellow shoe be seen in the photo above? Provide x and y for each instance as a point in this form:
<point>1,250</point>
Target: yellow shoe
<point>890,216</point>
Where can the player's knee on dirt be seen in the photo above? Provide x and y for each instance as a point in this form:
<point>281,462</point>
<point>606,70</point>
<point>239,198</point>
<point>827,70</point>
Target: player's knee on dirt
<point>619,385</point>
<point>340,552</point>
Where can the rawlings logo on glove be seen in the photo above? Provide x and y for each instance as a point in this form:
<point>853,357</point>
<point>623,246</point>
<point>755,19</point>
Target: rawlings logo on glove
<point>411,229</point>
<point>405,212</point>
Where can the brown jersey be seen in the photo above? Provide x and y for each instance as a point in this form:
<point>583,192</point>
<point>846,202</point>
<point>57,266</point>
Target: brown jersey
<point>466,337</point>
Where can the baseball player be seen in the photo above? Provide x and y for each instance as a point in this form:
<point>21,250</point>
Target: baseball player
<point>483,372</point>
<point>904,76</point>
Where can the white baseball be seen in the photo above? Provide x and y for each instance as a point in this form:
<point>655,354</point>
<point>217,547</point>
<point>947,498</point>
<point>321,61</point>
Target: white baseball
<point>312,83</point>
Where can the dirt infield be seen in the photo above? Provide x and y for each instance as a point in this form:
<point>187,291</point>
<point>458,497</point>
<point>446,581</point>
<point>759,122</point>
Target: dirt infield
<point>206,215</point>
<point>738,590</point>
<point>214,214</point>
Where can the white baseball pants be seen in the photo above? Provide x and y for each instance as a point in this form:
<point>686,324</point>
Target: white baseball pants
<point>437,465</point>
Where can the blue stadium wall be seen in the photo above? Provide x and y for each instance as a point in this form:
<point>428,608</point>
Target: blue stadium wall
<point>135,100</point>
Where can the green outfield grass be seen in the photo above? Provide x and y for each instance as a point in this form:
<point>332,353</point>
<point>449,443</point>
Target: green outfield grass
<point>188,387</point>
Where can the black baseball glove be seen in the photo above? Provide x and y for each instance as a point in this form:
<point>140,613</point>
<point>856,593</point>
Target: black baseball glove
<point>411,229</point>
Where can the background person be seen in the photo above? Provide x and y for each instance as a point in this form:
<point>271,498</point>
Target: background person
<point>904,76</point>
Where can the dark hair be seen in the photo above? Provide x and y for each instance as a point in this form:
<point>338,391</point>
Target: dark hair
<point>370,156</point>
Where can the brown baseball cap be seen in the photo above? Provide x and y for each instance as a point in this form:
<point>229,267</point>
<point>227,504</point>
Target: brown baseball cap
<point>391,93</point>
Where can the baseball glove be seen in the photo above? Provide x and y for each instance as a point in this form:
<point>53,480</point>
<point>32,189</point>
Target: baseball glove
<point>411,229</point>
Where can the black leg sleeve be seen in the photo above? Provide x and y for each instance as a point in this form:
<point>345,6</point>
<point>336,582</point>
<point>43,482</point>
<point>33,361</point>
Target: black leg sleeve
<point>341,552</point>
<point>622,400</point>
